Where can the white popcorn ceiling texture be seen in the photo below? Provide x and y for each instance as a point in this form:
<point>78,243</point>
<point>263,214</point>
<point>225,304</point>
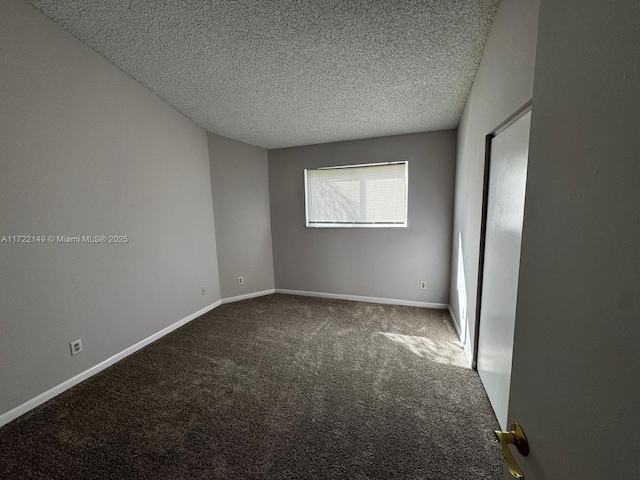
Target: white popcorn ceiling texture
<point>293,72</point>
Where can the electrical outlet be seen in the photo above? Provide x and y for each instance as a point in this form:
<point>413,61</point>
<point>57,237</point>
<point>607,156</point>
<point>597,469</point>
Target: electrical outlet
<point>240,280</point>
<point>204,290</point>
<point>76,347</point>
<point>423,285</point>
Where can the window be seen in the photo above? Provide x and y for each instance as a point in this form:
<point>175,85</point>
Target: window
<point>373,195</point>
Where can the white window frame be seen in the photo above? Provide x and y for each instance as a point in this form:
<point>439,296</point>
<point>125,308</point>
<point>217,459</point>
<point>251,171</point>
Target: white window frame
<point>357,225</point>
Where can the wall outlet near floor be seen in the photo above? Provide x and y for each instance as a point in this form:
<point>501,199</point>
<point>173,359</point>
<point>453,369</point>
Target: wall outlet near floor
<point>240,280</point>
<point>204,290</point>
<point>423,284</point>
<point>76,347</point>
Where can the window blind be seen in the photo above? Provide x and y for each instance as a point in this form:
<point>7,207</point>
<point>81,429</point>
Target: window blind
<point>372,195</point>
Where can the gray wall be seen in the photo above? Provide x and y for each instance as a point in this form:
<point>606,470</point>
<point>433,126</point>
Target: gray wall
<point>375,262</point>
<point>86,150</point>
<point>504,83</point>
<point>579,293</point>
<point>240,184</point>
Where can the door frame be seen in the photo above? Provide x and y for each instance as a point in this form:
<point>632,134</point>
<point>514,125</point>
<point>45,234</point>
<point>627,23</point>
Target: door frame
<point>511,119</point>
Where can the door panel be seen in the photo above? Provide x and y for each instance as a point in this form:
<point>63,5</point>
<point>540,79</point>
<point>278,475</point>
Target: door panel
<point>505,211</point>
<point>575,385</point>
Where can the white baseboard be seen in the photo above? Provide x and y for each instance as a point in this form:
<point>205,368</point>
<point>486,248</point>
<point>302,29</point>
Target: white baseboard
<point>466,345</point>
<point>455,324</point>
<point>246,296</point>
<point>467,350</point>
<point>67,384</point>
<point>358,298</point>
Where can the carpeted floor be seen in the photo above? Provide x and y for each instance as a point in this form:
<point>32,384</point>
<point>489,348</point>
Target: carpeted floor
<point>278,387</point>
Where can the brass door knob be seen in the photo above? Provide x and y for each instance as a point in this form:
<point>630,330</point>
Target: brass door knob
<point>516,437</point>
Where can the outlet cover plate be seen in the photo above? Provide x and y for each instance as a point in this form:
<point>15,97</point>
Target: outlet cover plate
<point>76,347</point>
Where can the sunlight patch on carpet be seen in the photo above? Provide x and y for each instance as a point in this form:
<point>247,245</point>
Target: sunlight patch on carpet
<point>447,353</point>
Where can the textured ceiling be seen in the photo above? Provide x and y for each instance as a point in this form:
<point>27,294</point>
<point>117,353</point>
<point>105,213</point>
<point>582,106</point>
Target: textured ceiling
<point>293,72</point>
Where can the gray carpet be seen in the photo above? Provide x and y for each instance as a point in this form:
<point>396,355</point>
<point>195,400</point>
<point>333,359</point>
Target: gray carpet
<point>278,387</point>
